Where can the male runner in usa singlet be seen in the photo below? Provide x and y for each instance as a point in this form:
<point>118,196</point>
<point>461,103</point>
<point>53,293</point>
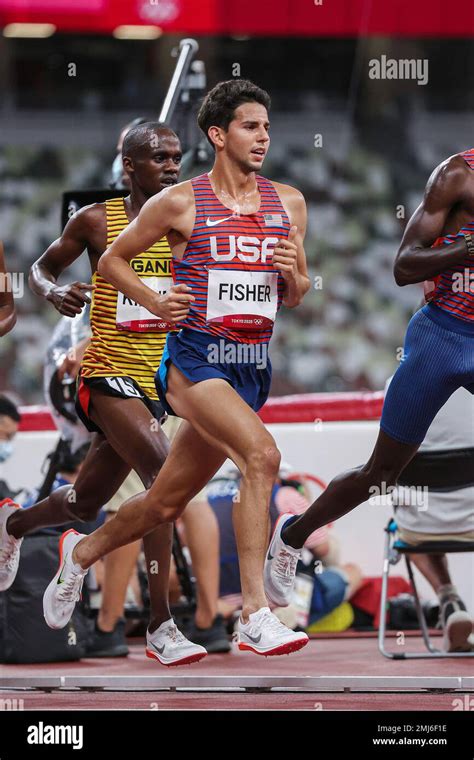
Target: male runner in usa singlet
<point>438,359</point>
<point>117,399</point>
<point>237,245</point>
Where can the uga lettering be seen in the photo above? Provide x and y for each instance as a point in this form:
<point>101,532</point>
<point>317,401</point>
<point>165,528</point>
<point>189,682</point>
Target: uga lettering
<point>246,248</point>
<point>151,266</point>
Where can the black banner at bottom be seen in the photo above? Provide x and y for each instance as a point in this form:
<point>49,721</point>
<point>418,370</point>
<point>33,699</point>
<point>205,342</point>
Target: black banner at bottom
<point>372,734</point>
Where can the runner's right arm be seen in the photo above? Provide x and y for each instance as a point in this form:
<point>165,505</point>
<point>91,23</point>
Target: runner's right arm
<point>67,299</point>
<point>416,259</point>
<point>156,219</point>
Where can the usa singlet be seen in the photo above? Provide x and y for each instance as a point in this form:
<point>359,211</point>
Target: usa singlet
<point>228,265</point>
<point>453,289</point>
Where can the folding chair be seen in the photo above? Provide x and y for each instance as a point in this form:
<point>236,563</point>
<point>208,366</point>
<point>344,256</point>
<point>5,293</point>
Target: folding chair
<point>394,550</point>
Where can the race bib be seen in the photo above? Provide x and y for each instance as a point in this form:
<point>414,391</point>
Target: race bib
<point>242,300</point>
<point>124,386</point>
<point>134,317</point>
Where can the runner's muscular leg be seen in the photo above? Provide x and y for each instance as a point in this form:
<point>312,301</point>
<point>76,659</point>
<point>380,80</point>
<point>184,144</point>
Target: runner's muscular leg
<point>197,452</point>
<point>137,436</point>
<point>244,438</point>
<point>102,473</point>
<point>190,465</point>
<point>412,395</point>
<point>353,487</point>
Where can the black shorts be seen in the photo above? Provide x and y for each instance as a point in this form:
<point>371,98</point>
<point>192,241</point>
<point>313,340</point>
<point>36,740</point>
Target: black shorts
<point>123,387</point>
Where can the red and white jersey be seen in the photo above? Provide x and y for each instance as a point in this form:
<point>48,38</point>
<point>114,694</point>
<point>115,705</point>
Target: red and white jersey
<point>453,289</point>
<point>228,264</point>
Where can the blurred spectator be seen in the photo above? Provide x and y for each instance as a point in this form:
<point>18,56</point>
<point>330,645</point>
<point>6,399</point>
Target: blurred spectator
<point>9,422</point>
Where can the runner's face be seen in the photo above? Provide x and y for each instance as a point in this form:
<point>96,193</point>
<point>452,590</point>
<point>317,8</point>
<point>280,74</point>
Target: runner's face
<point>158,165</point>
<point>247,139</point>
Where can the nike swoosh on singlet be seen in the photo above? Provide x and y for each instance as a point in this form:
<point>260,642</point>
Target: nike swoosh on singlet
<point>217,221</point>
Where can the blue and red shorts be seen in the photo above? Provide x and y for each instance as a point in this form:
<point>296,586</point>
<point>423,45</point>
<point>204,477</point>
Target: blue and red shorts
<point>438,359</point>
<point>203,356</point>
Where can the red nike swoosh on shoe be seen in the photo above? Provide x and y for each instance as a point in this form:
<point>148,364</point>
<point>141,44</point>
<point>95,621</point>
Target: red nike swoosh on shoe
<point>61,542</point>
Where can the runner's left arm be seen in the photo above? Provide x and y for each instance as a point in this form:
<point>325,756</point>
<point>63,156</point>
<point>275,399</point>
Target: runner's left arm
<point>288,256</point>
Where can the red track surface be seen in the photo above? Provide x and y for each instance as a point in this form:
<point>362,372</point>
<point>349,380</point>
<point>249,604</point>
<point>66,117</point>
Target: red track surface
<point>322,657</point>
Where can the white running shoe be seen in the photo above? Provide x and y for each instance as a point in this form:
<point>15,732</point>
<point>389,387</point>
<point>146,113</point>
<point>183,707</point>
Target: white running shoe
<point>9,546</point>
<point>168,645</point>
<point>64,590</point>
<point>264,634</point>
<point>457,628</point>
<point>280,566</point>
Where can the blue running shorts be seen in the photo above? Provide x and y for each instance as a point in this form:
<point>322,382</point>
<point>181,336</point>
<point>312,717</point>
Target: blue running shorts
<point>203,356</point>
<point>438,359</point>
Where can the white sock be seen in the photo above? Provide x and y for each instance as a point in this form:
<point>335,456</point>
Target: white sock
<point>446,591</point>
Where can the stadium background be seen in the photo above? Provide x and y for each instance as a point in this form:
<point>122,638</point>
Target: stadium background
<point>360,149</point>
<point>380,141</point>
